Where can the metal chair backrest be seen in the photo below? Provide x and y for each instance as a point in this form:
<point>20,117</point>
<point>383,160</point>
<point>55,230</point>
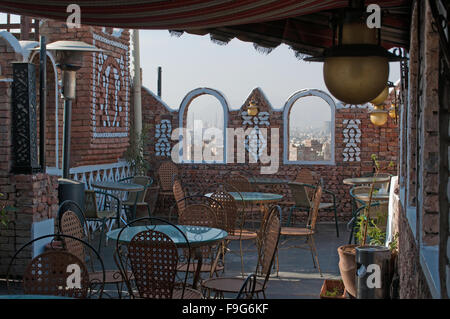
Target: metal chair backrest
<point>71,225</point>
<point>198,215</point>
<point>305,176</point>
<point>179,194</point>
<point>153,259</point>
<point>157,250</point>
<point>202,216</point>
<point>145,181</point>
<point>58,272</point>
<point>314,211</point>
<point>248,288</point>
<point>72,206</point>
<point>241,183</point>
<point>359,190</point>
<point>269,242</point>
<point>227,216</point>
<point>300,194</point>
<point>167,172</point>
<point>90,202</point>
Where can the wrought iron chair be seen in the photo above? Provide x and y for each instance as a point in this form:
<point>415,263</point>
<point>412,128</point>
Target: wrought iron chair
<point>158,251</point>
<point>137,199</point>
<point>248,288</point>
<point>167,173</point>
<point>110,211</point>
<point>266,255</point>
<point>204,216</point>
<point>306,176</point>
<point>56,272</point>
<point>179,194</point>
<point>71,225</point>
<point>293,231</point>
<point>243,185</point>
<point>234,221</point>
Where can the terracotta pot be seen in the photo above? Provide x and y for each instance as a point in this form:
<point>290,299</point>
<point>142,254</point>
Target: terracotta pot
<point>347,267</point>
<point>330,285</point>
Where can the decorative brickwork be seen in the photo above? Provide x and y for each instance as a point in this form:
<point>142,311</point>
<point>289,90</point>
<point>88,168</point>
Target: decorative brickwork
<point>382,141</point>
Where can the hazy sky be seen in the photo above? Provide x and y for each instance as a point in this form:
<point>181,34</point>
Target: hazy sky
<point>235,69</point>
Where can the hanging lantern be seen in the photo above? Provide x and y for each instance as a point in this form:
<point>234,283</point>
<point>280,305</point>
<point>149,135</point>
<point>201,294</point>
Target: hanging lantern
<point>381,97</point>
<point>356,68</point>
<point>378,116</point>
<point>393,112</point>
<point>252,109</point>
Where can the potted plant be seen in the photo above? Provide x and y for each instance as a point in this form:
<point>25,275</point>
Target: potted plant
<point>374,228</point>
<point>333,289</point>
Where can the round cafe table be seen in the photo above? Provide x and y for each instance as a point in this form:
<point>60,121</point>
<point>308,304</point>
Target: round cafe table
<point>120,187</point>
<point>366,180</point>
<point>378,197</point>
<point>196,235</point>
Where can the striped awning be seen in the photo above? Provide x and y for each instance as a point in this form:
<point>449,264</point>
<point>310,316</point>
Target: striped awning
<point>176,14</point>
<point>302,24</point>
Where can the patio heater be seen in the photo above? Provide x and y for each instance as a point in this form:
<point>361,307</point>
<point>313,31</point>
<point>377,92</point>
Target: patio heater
<point>69,58</point>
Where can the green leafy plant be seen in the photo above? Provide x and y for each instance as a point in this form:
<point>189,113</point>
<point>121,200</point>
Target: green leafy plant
<point>337,291</point>
<point>134,154</point>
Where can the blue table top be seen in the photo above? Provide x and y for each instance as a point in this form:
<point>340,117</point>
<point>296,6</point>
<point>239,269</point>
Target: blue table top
<point>255,197</point>
<point>196,235</point>
<point>33,297</point>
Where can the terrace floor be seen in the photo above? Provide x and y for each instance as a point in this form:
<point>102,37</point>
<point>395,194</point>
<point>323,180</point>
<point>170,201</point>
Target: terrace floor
<point>297,279</point>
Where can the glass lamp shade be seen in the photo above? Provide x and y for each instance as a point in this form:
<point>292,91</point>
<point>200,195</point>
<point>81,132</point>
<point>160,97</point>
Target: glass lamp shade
<point>381,97</point>
<point>379,116</point>
<point>393,112</point>
<point>356,79</point>
<point>252,111</point>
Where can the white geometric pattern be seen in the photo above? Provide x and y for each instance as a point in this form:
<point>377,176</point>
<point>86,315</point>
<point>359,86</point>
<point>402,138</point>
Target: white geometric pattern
<point>163,133</point>
<point>352,136</point>
<point>255,143</point>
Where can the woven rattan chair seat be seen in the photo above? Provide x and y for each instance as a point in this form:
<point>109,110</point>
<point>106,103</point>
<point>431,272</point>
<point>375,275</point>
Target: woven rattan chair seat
<point>106,214</point>
<point>189,293</point>
<point>228,284</point>
<point>245,235</point>
<point>296,231</point>
<point>111,276</point>
<point>206,267</point>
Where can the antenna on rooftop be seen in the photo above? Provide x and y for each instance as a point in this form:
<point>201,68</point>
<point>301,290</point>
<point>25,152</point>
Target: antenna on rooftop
<point>159,81</point>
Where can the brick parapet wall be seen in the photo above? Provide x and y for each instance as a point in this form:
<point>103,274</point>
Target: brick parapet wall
<point>382,141</point>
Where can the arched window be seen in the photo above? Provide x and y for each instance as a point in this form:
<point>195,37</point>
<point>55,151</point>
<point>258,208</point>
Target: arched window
<point>203,119</point>
<point>309,128</point>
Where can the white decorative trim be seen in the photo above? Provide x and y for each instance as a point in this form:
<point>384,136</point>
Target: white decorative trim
<point>255,142</point>
<point>352,136</point>
<point>57,94</point>
<point>342,105</point>
<point>101,77</point>
<point>188,98</point>
<point>163,134</point>
<point>110,42</point>
<point>156,97</point>
<point>286,110</point>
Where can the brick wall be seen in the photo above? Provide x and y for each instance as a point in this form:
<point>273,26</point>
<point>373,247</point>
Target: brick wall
<point>100,112</point>
<point>34,196</point>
